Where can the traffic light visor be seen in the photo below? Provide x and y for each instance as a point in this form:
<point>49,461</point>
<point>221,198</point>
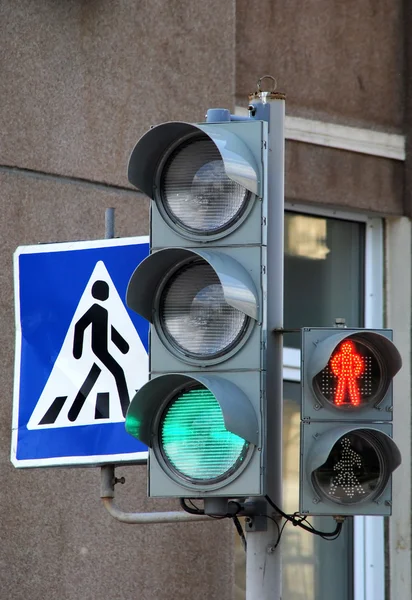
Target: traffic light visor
<point>352,465</point>
<point>238,161</point>
<point>203,177</point>
<point>354,370</point>
<point>202,303</point>
<point>159,393</point>
<point>202,429</point>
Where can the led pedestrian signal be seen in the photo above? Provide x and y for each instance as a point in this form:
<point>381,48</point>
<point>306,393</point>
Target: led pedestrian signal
<point>347,366</point>
<point>352,376</point>
<point>202,289</point>
<point>352,473</point>
<point>347,450</point>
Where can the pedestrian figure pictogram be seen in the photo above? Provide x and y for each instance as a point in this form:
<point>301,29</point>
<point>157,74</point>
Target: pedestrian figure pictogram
<point>103,360</point>
<point>347,365</point>
<point>97,318</point>
<point>346,478</point>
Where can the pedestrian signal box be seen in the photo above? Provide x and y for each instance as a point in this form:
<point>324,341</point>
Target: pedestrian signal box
<point>347,450</point>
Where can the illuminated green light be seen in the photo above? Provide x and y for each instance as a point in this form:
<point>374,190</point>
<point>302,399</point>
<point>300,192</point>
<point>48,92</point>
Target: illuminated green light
<point>133,425</point>
<point>195,441</point>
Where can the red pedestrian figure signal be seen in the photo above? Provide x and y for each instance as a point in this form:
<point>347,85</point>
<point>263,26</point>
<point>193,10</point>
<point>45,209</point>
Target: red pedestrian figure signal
<point>347,365</point>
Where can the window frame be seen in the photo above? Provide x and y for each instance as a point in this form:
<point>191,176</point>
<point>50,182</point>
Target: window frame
<point>368,532</point>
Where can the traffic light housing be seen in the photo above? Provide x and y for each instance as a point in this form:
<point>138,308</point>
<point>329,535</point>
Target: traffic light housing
<point>347,450</point>
<point>204,290</point>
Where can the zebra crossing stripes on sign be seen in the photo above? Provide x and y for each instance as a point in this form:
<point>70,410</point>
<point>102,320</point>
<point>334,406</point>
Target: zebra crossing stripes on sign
<point>81,355</point>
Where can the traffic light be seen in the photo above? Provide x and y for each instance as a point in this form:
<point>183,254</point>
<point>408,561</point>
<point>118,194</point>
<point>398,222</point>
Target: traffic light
<point>204,290</point>
<point>347,450</point>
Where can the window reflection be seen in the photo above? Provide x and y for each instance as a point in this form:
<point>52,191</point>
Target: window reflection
<point>306,237</point>
<point>323,273</point>
<point>297,546</point>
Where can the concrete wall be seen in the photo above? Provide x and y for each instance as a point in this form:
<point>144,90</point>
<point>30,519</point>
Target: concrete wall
<point>340,62</point>
<point>336,61</point>
<point>80,82</point>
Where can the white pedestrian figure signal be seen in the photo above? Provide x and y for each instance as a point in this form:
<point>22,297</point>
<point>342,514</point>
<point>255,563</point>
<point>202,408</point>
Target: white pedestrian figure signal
<point>101,364</point>
<point>346,478</point>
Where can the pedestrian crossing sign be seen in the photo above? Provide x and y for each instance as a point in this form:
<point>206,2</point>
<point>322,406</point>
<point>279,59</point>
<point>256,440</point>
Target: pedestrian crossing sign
<point>81,355</point>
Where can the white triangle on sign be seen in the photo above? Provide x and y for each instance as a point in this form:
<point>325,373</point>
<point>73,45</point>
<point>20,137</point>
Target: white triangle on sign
<point>69,374</point>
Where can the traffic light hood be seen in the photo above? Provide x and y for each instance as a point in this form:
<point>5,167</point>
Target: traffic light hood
<point>384,346</point>
<point>238,160</point>
<point>238,287</point>
<point>321,448</point>
<point>238,413</point>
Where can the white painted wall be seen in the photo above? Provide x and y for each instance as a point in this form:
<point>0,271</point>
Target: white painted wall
<point>398,312</point>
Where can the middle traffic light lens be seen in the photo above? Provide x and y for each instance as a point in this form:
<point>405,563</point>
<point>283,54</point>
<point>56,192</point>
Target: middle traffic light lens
<point>194,440</point>
<point>195,316</point>
<point>195,191</point>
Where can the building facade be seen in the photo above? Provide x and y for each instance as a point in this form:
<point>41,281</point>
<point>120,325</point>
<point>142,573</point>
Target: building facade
<point>81,81</point>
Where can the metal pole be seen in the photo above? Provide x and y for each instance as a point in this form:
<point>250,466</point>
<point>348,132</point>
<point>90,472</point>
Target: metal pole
<point>107,483</point>
<point>263,558</point>
<point>109,223</point>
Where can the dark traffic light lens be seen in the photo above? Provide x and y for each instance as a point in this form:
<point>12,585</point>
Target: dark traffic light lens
<point>195,316</point>
<point>354,376</point>
<point>196,192</point>
<point>355,470</point>
<point>194,440</point>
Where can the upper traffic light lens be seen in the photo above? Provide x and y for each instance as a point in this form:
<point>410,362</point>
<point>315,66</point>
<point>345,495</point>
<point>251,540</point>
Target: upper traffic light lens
<point>195,316</point>
<point>194,440</point>
<point>195,191</point>
<point>353,378</point>
<point>355,470</point>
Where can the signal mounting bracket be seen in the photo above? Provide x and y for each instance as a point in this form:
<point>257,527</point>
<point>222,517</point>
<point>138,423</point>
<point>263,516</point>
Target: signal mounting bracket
<point>255,512</point>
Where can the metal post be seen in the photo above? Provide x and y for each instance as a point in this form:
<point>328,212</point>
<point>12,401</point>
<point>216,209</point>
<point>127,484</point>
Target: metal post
<point>109,223</point>
<point>263,558</point>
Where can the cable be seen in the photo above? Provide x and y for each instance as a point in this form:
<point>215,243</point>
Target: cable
<point>193,510</point>
<point>240,531</point>
<point>280,533</point>
<point>297,520</point>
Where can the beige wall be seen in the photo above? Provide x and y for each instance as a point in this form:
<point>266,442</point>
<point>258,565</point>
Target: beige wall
<point>336,61</point>
<point>349,180</point>
<point>340,62</point>
<point>80,82</point>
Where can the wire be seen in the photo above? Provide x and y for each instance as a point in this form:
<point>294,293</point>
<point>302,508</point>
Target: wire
<point>298,520</point>
<point>240,531</point>
<point>280,533</point>
<point>193,504</point>
<point>193,510</point>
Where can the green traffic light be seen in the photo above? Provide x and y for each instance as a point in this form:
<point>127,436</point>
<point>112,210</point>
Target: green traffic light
<point>194,439</point>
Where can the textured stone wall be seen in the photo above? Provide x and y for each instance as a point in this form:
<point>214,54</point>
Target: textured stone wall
<point>80,81</point>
